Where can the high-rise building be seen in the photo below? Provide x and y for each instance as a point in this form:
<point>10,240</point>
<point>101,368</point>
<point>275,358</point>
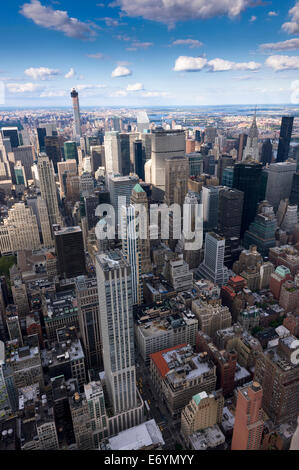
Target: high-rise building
<point>210,202</point>
<point>230,211</point>
<point>113,153</point>
<point>286,130</point>
<point>224,162</point>
<point>294,196</point>
<point>89,320</point>
<point>241,145</point>
<point>143,123</point>
<point>53,150</point>
<point>125,168</point>
<point>64,168</point>
<point>70,151</point>
<point>261,232</point>
<point>139,159</point>
<point>213,267</point>
<point>25,155</point>
<point>267,152</point>
<point>249,418</point>
<point>176,180</point>
<point>117,326</point>
<point>277,370</point>
<point>280,177</point>
<point>48,188</point>
<point>251,151</point>
<point>70,252</point>
<point>77,133</point>
<point>139,197</point>
<point>44,223</point>
<point>247,178</point>
<point>121,187</point>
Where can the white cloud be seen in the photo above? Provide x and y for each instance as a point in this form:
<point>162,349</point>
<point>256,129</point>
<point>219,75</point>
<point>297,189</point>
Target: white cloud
<point>135,87</point>
<point>89,87</point>
<point>22,87</point>
<point>155,94</point>
<point>52,93</point>
<point>292,27</point>
<point>57,20</point>
<point>189,64</point>
<point>289,45</point>
<point>70,74</point>
<point>195,64</point>
<point>282,62</point>
<point>253,19</point>
<point>121,71</point>
<point>273,13</point>
<point>142,45</point>
<point>118,93</point>
<point>192,43</point>
<point>172,11</point>
<point>41,73</point>
<point>98,56</point>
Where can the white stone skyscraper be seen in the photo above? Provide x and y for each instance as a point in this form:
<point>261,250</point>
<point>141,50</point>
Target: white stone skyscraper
<point>77,133</point>
<point>112,152</point>
<point>44,223</point>
<point>115,287</point>
<point>48,188</point>
<point>213,267</point>
<point>251,151</point>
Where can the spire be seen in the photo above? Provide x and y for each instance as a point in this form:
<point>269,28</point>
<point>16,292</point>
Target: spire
<point>254,133</point>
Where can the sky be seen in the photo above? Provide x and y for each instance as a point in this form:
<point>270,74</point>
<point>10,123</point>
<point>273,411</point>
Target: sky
<point>149,52</point>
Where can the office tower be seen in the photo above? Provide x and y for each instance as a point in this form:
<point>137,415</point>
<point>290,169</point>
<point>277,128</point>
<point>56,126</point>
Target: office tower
<point>81,421</point>
<point>65,168</point>
<point>224,162</point>
<point>20,230</point>
<point>165,144</point>
<point>177,273</point>
<point>44,223</point>
<point>280,177</point>
<point>251,151</point>
<point>48,188</point>
<point>13,134</point>
<point>213,267</point>
<point>130,248</point>
<point>286,130</point>
<point>20,175</point>
<point>249,418</point>
<point>193,234</point>
<point>70,151</point>
<point>87,184</point>
<point>210,135</point>
<point>290,219</point>
<point>209,164</point>
<point>202,412</point>
<point>139,197</point>
<point>77,133</point>
<point>20,297</point>
<point>53,150</point>
<point>230,211</point>
<point>210,202</point>
<point>277,371</point>
<point>117,326</point>
<point>89,320</point>
<point>241,145</point>
<point>120,188</point>
<point>13,324</point>
<point>70,252</point>
<point>112,153</point>
<point>26,155</point>
<point>41,134</point>
<point>90,205</point>
<point>190,146</point>
<point>267,152</point>
<point>228,177</point>
<point>294,196</point>
<point>261,232</point>
<point>146,138</point>
<point>195,164</point>
<point>247,178</point>
<point>97,154</point>
<point>125,154</point>
<point>143,123</point>
<point>95,398</point>
<point>116,124</point>
<point>139,159</point>
<point>176,180</point>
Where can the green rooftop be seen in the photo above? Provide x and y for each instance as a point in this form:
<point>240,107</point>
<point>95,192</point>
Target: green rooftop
<point>138,189</point>
<point>200,396</point>
<point>283,271</point>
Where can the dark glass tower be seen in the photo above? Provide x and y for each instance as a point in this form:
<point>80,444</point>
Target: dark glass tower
<point>285,138</point>
<point>70,252</point>
<point>248,178</point>
<point>139,157</point>
<point>267,152</point>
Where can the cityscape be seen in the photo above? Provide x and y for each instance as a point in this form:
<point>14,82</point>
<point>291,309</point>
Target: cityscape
<point>149,230</point>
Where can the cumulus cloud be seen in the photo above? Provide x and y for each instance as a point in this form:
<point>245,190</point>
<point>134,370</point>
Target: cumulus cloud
<point>272,13</point>
<point>57,20</point>
<point>142,45</point>
<point>84,87</point>
<point>292,27</point>
<point>22,87</point>
<point>189,64</point>
<point>154,94</point>
<point>135,87</point>
<point>121,71</point>
<point>41,73</point>
<point>70,74</point>
<point>170,12</point>
<point>192,43</point>
<point>252,19</point>
<point>118,93</point>
<point>52,93</point>
<point>289,45</point>
<point>195,64</point>
<point>282,62</point>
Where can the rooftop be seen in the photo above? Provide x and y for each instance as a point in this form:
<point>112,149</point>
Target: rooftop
<point>139,437</point>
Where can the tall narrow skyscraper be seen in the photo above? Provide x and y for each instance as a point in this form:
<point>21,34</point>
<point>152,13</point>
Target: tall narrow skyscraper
<point>48,188</point>
<point>285,138</point>
<point>76,109</point>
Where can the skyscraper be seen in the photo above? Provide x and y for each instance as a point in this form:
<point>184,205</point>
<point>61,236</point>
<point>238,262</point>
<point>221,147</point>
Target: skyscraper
<point>267,152</point>
<point>247,178</point>
<point>286,130</point>
<point>251,151</point>
<point>48,188</point>
<point>230,210</point>
<point>213,267</point>
<point>113,153</point>
<point>70,151</point>
<point>117,326</point>
<point>70,252</point>
<point>76,109</point>
<point>279,184</point>
<point>241,145</point>
<point>210,201</point>
<point>249,416</point>
<point>176,180</point>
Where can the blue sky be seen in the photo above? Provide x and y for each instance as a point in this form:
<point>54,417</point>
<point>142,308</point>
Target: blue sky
<point>149,52</point>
